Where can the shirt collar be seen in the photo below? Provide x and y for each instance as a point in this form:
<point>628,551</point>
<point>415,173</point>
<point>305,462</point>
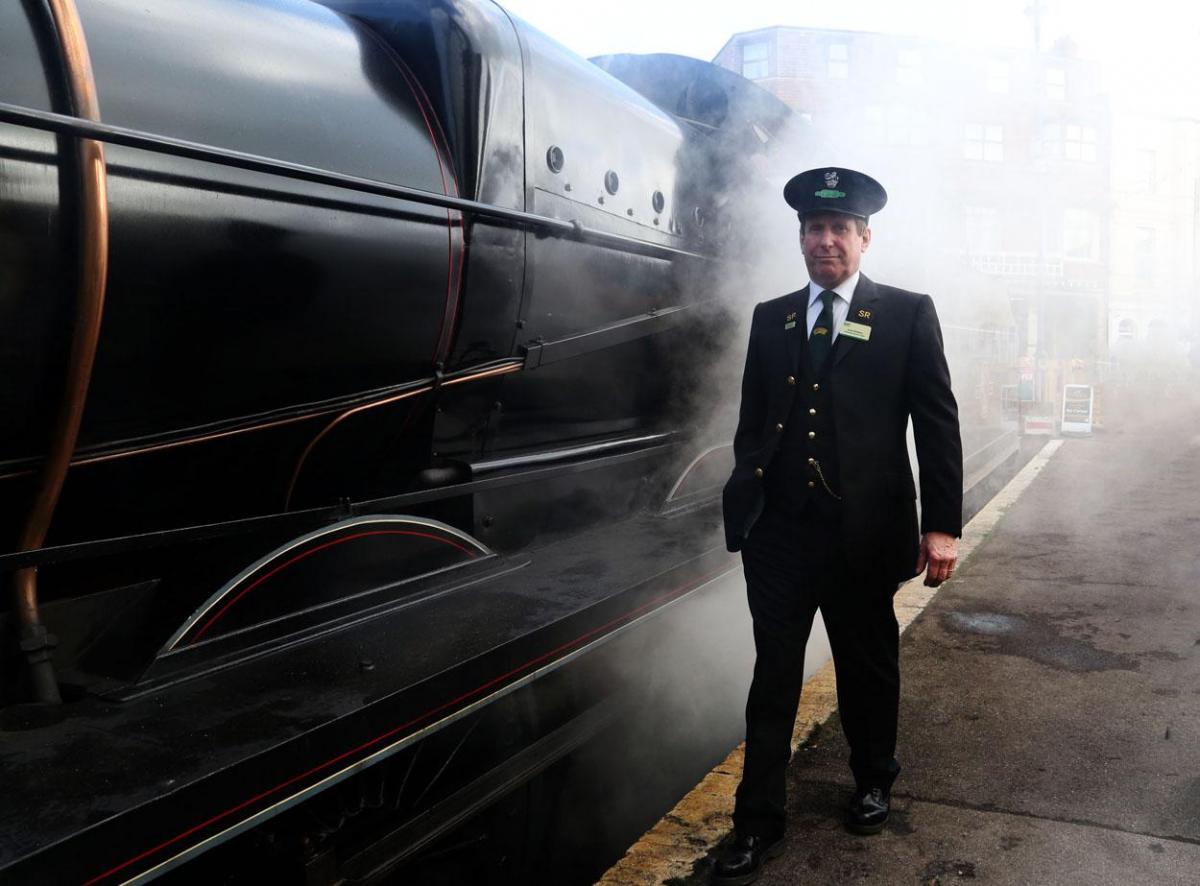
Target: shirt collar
<point>844,290</point>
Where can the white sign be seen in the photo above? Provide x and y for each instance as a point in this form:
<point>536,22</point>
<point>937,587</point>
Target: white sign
<point>1078,401</point>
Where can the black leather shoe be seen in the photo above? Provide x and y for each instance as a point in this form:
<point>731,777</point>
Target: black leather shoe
<point>742,862</point>
<point>868,812</point>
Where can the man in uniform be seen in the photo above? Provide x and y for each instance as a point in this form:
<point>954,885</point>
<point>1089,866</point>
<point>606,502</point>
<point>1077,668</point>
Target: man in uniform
<point>821,501</point>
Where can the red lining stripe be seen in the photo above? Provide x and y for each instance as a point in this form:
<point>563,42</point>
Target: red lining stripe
<point>441,150</point>
<point>329,544</point>
<point>392,732</point>
<point>448,330</point>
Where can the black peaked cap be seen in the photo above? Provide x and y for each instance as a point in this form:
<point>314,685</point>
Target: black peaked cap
<point>833,189</point>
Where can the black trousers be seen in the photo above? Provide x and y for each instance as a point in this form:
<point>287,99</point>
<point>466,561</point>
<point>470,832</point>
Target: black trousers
<point>794,566</point>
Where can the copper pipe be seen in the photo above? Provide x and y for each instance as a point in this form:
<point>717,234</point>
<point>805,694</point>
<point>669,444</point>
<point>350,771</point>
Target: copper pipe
<point>83,461</point>
<point>287,502</point>
<point>174,444</point>
<point>514,366</point>
<point>93,277</point>
<point>203,438</point>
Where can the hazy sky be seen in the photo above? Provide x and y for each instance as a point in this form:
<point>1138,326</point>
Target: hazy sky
<point>1151,44</point>
<point>592,27</point>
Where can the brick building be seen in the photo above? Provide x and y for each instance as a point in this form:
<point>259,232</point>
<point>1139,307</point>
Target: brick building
<point>1155,289</point>
<point>998,166</point>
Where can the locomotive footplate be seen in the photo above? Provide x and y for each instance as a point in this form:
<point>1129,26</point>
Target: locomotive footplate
<point>180,772</point>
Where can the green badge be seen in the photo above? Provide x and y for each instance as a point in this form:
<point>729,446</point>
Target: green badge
<point>829,194</point>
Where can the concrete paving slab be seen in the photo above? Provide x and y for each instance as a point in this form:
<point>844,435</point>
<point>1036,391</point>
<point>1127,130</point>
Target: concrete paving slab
<point>1050,713</point>
<point>1050,721</point>
<point>938,844</point>
<point>1054,716</point>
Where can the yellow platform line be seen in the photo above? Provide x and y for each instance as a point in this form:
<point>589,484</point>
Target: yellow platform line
<point>703,818</point>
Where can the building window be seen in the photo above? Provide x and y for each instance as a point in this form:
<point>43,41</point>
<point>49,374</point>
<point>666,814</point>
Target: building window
<point>1126,329</point>
<point>908,66</point>
<point>997,78</point>
<point>839,61</point>
<point>984,142</point>
<point>755,63</point>
<point>1056,83</point>
<point>1081,235</point>
<point>1079,143</point>
<point>1145,255</point>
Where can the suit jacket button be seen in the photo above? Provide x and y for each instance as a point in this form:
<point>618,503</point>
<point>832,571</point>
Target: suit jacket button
<point>758,472</point>
<point>779,427</point>
<point>812,435</point>
<point>816,387</point>
<point>812,483</point>
<point>791,379</point>
<point>812,461</point>
<point>812,412</point>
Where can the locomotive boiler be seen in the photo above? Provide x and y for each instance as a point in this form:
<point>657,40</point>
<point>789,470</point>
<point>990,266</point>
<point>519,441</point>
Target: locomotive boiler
<point>349,361</point>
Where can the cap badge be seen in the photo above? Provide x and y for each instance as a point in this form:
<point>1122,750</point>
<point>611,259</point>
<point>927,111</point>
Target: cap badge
<point>830,192</point>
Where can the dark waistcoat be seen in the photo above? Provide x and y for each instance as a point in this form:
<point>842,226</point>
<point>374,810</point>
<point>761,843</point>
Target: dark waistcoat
<point>808,450</point>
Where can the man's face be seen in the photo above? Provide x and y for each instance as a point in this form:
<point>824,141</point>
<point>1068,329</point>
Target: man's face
<point>832,246</point>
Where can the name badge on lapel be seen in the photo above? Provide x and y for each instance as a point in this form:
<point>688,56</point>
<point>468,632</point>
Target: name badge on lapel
<point>790,321</point>
<point>859,331</point>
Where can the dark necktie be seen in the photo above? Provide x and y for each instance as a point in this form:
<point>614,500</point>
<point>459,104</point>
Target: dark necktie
<point>821,339</point>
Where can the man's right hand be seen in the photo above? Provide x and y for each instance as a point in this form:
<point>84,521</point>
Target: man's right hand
<point>939,552</point>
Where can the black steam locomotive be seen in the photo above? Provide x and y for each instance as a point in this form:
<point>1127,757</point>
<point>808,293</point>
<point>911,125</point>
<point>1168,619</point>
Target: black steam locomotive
<point>350,355</point>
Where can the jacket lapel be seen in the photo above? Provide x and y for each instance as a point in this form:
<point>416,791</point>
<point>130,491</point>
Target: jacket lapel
<point>798,305</point>
<point>866,293</point>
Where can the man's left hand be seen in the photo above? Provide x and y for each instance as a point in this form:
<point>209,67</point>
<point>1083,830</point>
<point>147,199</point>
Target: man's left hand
<point>939,552</point>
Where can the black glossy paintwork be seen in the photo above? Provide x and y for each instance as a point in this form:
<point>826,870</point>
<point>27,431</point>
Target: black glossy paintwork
<point>231,296</point>
<point>238,300</point>
<point>271,345</point>
<point>475,82</point>
<point>348,562</point>
<point>298,710</point>
<point>223,304</point>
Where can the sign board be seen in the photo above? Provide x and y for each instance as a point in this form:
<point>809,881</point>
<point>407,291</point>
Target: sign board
<point>1038,424</point>
<point>1025,385</point>
<point>1077,405</point>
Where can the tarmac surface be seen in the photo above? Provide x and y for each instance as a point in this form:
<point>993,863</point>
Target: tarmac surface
<point>1050,713</point>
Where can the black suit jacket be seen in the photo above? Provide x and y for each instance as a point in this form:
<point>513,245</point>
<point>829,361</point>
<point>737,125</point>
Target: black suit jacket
<point>876,385</point>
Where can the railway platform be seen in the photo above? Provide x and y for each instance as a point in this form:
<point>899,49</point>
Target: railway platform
<point>1050,713</point>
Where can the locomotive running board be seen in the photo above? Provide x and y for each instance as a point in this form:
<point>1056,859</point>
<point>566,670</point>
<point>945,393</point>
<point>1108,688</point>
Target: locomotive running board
<point>380,858</point>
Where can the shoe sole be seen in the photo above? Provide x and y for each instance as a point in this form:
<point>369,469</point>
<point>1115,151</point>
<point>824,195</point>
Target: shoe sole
<point>773,851</point>
<point>865,830</point>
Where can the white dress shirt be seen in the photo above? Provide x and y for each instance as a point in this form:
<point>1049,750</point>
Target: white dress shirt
<point>841,304</point>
